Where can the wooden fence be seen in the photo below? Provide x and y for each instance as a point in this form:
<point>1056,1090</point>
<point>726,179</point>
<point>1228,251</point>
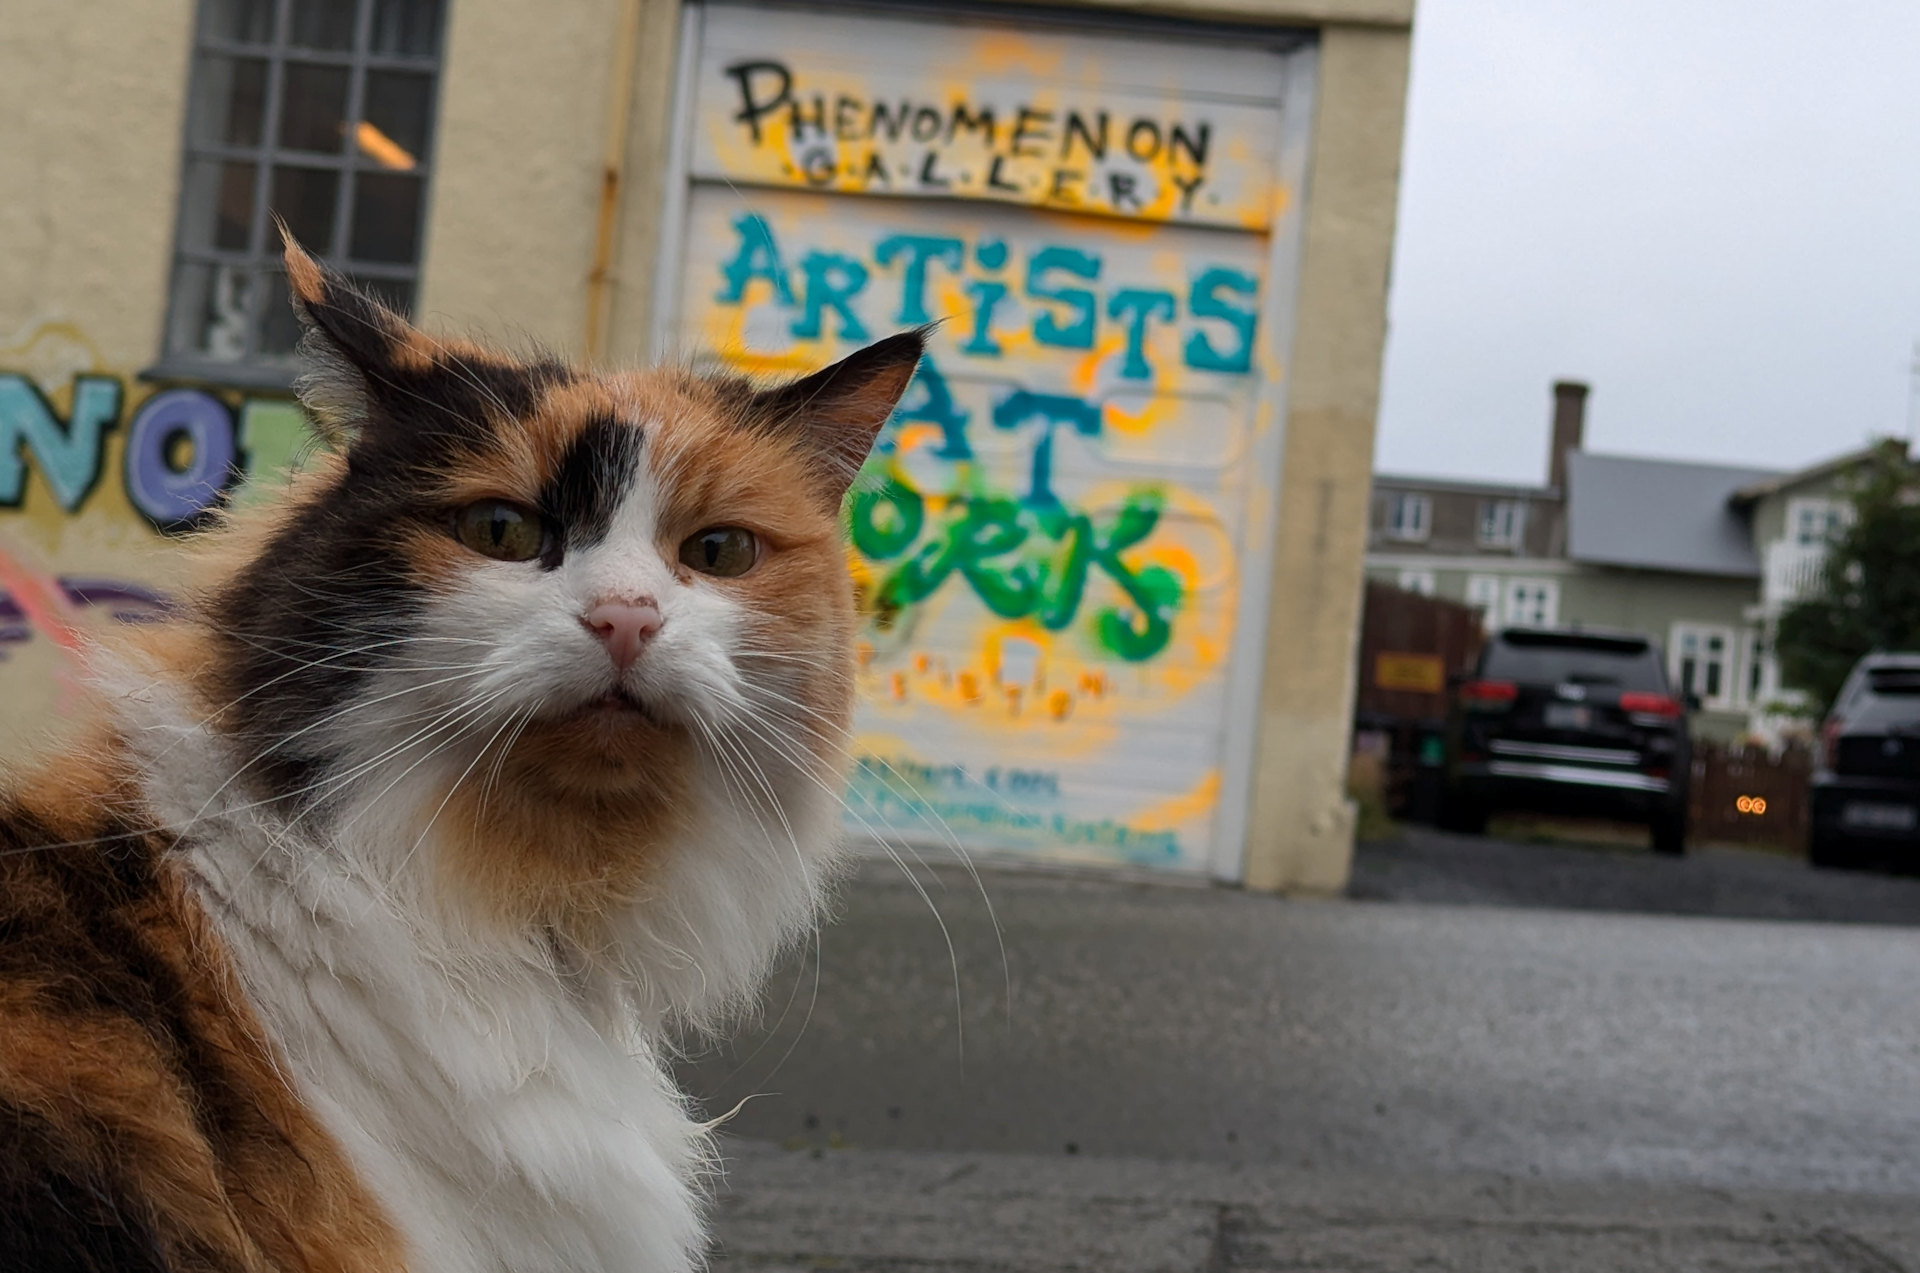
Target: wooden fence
<point>1745,795</point>
<point>1409,643</point>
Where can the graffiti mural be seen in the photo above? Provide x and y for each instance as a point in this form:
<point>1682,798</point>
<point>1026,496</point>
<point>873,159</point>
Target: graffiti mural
<point>97,472</point>
<point>1048,539</point>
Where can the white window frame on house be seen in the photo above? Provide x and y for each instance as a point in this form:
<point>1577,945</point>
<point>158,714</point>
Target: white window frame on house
<point>1692,663</point>
<point>1529,602</point>
<point>1814,521</point>
<point>1409,516</point>
<point>1503,523</point>
<point>1758,680</point>
<point>1420,581</point>
<point>1484,594</point>
<point>268,80</point>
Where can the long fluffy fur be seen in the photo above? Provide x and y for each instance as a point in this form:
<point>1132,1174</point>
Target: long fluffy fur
<point>388,890</point>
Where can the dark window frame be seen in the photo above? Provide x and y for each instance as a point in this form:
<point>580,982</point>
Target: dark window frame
<point>179,359</point>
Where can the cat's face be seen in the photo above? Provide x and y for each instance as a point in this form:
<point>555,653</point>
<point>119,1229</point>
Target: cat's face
<point>578,605</point>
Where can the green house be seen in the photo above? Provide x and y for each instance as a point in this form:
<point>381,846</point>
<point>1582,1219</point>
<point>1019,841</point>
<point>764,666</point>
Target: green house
<point>1700,557</point>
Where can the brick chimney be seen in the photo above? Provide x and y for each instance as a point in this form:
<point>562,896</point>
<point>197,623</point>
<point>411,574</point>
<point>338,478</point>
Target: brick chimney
<point>1569,426</point>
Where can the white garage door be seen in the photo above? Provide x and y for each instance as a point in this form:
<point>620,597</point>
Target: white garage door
<point>1063,539</point>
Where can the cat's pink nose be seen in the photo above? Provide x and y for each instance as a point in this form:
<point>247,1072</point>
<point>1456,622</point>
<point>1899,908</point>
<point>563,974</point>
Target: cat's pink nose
<point>625,625</point>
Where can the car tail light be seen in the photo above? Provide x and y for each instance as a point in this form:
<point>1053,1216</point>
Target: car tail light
<point>1641,704</point>
<point>1830,742</point>
<point>1489,696</point>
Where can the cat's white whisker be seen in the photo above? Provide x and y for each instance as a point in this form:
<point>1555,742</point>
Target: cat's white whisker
<point>949,837</point>
<point>329,719</point>
<point>716,743</point>
<point>335,782</point>
<point>452,787</point>
<point>953,958</point>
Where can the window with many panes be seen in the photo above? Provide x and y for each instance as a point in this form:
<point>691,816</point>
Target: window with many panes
<point>1757,678</point>
<point>1502,521</point>
<point>1409,516</point>
<point>1532,603</point>
<point>316,112</point>
<point>1702,662</point>
<point>1510,602</point>
<point>1814,523</point>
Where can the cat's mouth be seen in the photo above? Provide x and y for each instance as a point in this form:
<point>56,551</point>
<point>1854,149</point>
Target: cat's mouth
<point>618,707</point>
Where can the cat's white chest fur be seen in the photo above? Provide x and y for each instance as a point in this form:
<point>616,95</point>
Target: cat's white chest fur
<point>511,1117</point>
<point>504,1123</point>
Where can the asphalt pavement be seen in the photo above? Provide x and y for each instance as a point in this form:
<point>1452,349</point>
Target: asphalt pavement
<point>1322,1084</point>
<point>889,1211</point>
<point>1604,874</point>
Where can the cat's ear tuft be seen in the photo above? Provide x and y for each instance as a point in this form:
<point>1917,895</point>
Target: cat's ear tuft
<point>839,411</point>
<point>353,343</point>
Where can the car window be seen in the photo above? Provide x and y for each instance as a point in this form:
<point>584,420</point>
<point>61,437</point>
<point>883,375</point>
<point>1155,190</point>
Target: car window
<point>1894,680</point>
<point>1616,665</point>
<point>1886,696</point>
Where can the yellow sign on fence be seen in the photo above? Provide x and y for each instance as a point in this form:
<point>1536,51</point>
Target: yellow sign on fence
<point>1415,673</point>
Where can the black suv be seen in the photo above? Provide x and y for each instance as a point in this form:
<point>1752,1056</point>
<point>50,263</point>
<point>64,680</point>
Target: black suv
<point>1865,808</point>
<point>1570,722</point>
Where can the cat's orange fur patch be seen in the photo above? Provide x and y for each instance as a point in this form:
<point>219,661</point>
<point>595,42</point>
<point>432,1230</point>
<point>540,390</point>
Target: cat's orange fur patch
<point>126,1038</point>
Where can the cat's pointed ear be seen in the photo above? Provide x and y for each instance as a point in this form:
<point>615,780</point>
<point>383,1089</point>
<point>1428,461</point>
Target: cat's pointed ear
<point>353,345</point>
<point>837,413</point>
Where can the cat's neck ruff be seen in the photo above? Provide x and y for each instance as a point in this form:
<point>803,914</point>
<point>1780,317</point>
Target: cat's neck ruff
<point>505,1095</point>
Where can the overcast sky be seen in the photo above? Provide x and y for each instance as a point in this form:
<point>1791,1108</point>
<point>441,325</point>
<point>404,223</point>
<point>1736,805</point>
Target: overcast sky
<point>1708,209</point>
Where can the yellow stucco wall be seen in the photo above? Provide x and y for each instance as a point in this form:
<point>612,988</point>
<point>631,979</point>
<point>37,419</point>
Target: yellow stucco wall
<point>91,101</point>
<point>523,107</point>
<point>1300,835</point>
<point>1309,13</point>
<point>91,96</point>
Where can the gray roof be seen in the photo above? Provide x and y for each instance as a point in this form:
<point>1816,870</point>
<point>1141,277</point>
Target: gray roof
<point>1468,486</point>
<point>1777,482</point>
<point>1659,515</point>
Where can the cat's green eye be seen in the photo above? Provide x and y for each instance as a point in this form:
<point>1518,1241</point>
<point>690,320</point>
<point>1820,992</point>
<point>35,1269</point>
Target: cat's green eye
<point>506,532</point>
<point>721,550</point>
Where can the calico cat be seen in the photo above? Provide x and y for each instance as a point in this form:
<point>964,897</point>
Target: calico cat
<point>504,746</point>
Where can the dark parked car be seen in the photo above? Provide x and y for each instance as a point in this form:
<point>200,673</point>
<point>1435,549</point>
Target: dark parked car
<point>1866,782</point>
<point>1580,723</point>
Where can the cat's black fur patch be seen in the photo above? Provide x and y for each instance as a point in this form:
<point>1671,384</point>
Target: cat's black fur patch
<point>60,1216</point>
<point>95,940</point>
<point>593,477</point>
<point>301,638</point>
<point>377,343</point>
<point>340,600</point>
<point>428,420</point>
<point>478,388</point>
